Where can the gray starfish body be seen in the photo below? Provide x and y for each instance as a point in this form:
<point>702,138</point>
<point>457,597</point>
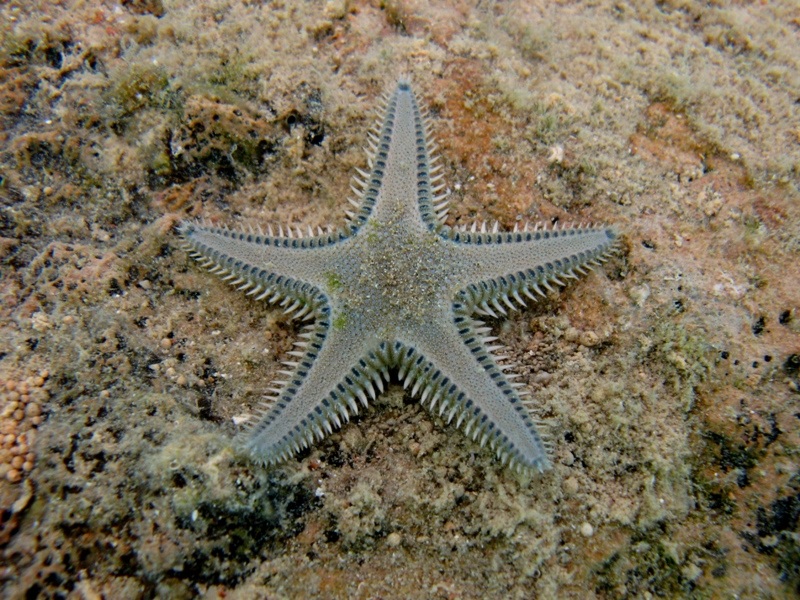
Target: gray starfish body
<point>397,288</point>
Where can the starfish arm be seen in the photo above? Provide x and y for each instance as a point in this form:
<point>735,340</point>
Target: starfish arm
<point>336,373</point>
<point>294,270</point>
<point>456,377</point>
<point>497,269</point>
<point>402,166</point>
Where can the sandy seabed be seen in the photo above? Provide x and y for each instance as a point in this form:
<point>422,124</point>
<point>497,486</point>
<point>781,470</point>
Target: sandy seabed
<point>669,379</point>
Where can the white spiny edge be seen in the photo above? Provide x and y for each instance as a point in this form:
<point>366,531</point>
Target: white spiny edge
<point>486,303</point>
<point>358,184</point>
<point>432,396</point>
<point>418,375</point>
<point>359,181</point>
<point>296,307</point>
<point>502,299</point>
<point>503,364</point>
<point>272,294</point>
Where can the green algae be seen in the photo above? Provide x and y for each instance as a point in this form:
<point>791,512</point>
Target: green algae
<point>140,86</point>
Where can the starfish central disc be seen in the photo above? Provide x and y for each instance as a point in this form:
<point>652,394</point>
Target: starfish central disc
<point>400,282</point>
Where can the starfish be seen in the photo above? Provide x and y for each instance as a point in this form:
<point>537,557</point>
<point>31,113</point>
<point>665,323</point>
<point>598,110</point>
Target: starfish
<point>397,288</point>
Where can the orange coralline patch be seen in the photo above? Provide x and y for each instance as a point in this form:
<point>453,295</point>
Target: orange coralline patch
<point>743,434</point>
<point>771,211</point>
<point>417,19</point>
<point>164,225</point>
<point>668,138</point>
<point>90,266</point>
<point>475,126</point>
<point>178,196</point>
<point>313,531</point>
<point>15,85</point>
<point>717,183</point>
<point>447,23</point>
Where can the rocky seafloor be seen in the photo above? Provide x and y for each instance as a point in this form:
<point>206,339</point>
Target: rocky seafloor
<point>669,379</point>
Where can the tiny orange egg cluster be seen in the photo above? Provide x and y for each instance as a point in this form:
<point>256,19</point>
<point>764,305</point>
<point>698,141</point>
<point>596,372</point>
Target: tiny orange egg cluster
<point>21,402</point>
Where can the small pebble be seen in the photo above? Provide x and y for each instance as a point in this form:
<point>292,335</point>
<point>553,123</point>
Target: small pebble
<point>587,530</point>
<point>556,154</point>
<point>570,485</point>
<point>589,339</point>
<point>639,294</point>
<point>394,539</point>
<point>166,343</point>
<point>13,476</point>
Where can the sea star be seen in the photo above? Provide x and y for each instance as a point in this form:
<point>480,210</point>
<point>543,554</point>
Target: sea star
<point>398,288</point>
